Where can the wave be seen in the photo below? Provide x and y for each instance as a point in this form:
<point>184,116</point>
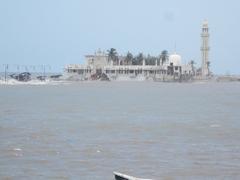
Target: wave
<point>32,82</point>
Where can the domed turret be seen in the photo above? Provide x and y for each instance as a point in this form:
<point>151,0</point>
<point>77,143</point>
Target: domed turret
<point>175,59</point>
<point>205,24</point>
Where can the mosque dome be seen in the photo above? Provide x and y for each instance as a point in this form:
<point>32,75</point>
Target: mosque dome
<point>175,59</point>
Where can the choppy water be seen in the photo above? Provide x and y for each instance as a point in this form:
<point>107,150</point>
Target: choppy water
<point>152,130</point>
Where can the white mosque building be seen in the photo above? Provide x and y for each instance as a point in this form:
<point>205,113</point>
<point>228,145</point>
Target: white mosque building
<point>173,69</point>
<point>99,63</point>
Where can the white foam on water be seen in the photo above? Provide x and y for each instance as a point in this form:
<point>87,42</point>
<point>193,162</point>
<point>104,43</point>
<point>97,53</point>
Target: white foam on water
<point>32,82</point>
<point>17,149</point>
<point>215,125</point>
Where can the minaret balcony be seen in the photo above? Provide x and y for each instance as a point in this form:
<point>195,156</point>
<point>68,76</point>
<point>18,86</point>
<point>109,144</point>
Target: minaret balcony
<point>205,48</point>
<point>205,35</point>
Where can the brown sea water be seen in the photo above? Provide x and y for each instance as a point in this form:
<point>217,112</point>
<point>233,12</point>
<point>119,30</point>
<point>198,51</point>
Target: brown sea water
<point>152,130</point>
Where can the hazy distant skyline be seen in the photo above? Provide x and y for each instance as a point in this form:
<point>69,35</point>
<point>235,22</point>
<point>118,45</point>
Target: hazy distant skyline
<point>59,32</point>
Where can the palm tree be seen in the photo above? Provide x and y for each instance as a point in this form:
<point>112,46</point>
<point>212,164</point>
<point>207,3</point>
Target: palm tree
<point>148,59</point>
<point>164,56</point>
<point>151,60</point>
<point>112,55</point>
<point>192,66</point>
<point>134,61</point>
<point>208,67</point>
<point>140,58</point>
<point>129,58</point>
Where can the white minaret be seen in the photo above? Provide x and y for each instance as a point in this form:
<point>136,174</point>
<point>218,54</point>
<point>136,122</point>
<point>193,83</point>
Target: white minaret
<point>205,49</point>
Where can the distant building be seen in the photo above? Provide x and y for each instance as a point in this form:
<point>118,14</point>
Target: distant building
<point>99,63</point>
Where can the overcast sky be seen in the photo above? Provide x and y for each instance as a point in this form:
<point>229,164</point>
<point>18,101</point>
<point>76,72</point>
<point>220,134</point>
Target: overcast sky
<point>58,32</point>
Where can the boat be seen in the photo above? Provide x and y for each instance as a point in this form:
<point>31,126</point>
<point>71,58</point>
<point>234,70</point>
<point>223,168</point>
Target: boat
<point>23,77</point>
<point>55,76</point>
<point>120,176</point>
<point>41,78</point>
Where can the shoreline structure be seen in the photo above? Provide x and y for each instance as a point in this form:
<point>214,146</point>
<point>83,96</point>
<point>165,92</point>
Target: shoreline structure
<point>164,68</point>
<point>110,66</point>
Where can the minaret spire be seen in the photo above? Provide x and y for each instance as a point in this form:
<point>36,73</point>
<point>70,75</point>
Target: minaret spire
<point>175,47</point>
